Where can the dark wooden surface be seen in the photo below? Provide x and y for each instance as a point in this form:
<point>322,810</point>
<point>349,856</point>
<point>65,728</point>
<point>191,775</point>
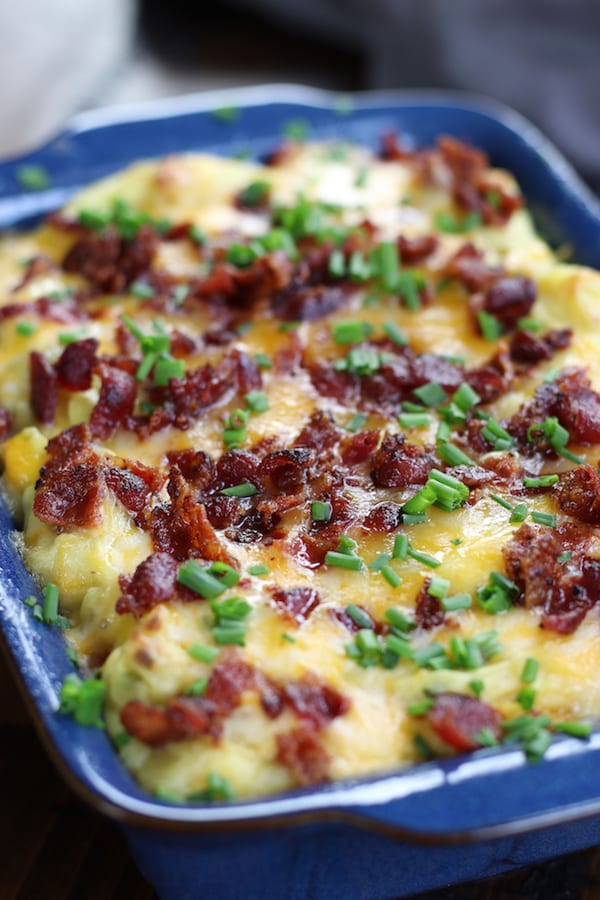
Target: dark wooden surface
<point>55,848</point>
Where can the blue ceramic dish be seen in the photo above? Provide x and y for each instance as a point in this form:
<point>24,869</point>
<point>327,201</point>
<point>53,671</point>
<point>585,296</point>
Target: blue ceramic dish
<point>356,839</point>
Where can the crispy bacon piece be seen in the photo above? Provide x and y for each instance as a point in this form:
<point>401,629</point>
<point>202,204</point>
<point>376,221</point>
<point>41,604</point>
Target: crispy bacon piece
<point>68,447</point>
<point>116,401</point>
<point>320,433</point>
<point>132,483</point>
<point>237,467</point>
<point>392,148</point>
<point>299,302</point>
<point>76,364</point>
<point>360,447</point>
<point>510,299</point>
<point>301,751</point>
<point>383,518</point>
<point>493,379</point>
<point>43,388</point>
<point>428,609</point>
<point>578,494</point>
<point>289,469</point>
<point>528,349</point>
<point>314,701</point>
<point>458,719</point>
<point>531,562</point>
<point>71,496</point>
<point>296,603</point>
<point>469,267</point>
<point>110,262</point>
<point>38,265</point>
<point>63,311</point>
<point>5,422</point>
<point>154,581</point>
<point>196,466</point>
<point>399,464</point>
<point>416,249</point>
<point>461,158</point>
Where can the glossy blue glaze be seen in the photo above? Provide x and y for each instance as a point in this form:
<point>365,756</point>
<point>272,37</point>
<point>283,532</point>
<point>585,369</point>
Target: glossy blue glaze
<point>488,795</point>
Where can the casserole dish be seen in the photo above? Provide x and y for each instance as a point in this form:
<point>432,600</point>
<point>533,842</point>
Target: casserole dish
<point>448,801</point>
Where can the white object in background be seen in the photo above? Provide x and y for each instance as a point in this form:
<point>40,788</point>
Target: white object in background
<point>55,57</point>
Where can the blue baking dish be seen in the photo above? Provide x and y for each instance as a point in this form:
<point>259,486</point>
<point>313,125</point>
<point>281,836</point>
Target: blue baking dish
<point>378,838</point>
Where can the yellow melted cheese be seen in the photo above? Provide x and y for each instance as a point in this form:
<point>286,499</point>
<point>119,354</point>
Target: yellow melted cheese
<point>148,660</point>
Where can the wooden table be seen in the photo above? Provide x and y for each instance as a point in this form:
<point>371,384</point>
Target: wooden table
<point>55,848</point>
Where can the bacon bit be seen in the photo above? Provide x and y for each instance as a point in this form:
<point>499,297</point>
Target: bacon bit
<point>493,379</point>
<point>132,483</point>
<point>289,358</point>
<point>398,464</point>
<point>469,267</point>
<point>461,158</point>
<point>392,148</point>
<point>320,433</point>
<point>238,467</point>
<point>383,518</point>
<point>301,751</point>
<point>458,718</point>
<point>181,528</point>
<point>416,249</point>
<point>63,311</point>
<point>341,386</point>
<point>510,299</point>
<point>528,349</point>
<point>182,345</point>
<point>428,609</point>
<point>110,262</point>
<point>247,372</point>
<point>315,701</point>
<point>43,388</point>
<point>75,365</point>
<point>342,616</point>
<point>116,401</point>
<point>196,466</point>
<point>578,494</point>
<point>68,447</point>
<point>289,469</point>
<point>153,725</point>
<point>299,302</point>
<point>360,447</point>
<point>38,265</point>
<point>71,496</point>
<point>530,559</point>
<point>154,581</point>
<point>5,422</point>
<point>297,603</point>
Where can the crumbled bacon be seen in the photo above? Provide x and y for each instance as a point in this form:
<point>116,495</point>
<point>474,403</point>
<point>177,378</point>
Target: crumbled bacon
<point>110,262</point>
<point>460,157</point>
<point>154,581</point>
<point>71,496</point>
<point>320,433</point>
<point>493,379</point>
<point>510,299</point>
<point>301,751</point>
<point>392,148</point>
<point>115,404</point>
<point>468,266</point>
<point>299,302</point>
<point>398,464</point>
<point>315,701</point>
<point>75,365</point>
<point>64,311</point>
<point>196,466</point>
<point>578,494</point>
<point>132,483</point>
<point>238,467</point>
<point>416,249</point>
<point>528,349</point>
<point>296,603</point>
<point>428,609</point>
<point>38,265</point>
<point>43,388</point>
<point>360,447</point>
<point>383,518</point>
<point>289,469</point>
<point>71,445</point>
<point>458,719</point>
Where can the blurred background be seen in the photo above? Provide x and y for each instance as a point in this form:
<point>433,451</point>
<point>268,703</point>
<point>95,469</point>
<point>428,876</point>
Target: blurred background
<point>540,56</point>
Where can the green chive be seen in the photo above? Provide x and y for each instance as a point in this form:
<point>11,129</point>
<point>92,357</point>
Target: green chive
<point>296,130</point>
<point>224,572</point>
<point>501,502</point>
<point>83,700</point>
<point>476,687</point>
<point>448,222</point>
<point>33,177</point>
<point>431,394</point>
<point>254,194</point>
<point>420,707</point>
<point>197,235</point>
<point>50,607</point>
<point>197,688</point>
<point>389,265</point>
<point>519,514</point>
<point>528,324</point>
<point>262,361</point>
<point>392,577</point>
<point>391,330</point>
<point>320,511</point>
<point>121,739</point>
<point>226,114</point>
<point>465,397</point>
<point>259,569</point>
<point>227,635</point>
<point>401,546</point>
<point>398,620</point>
<point>230,609</point>
<point>496,435</point>
<point>356,422</point>
<point>490,327</point>
<point>359,616</point>
<point>453,455</point>
<point>257,401</point>
<point>25,329</point>
<point>423,558</point>
<point>288,638</point>
<point>414,420</point>
<point>92,219</point>
<point>422,747</point>
<point>337,264</point>
<point>376,566</point>
<point>240,255</point>
<point>541,481</point>
<point>458,601</point>
<point>240,490</point>
<point>351,332</point>
<point>199,580</point>
<point>526,698</point>
<point>359,267</point>
<point>486,738</point>
<point>343,561</point>
<point>166,368</point>
<point>575,729</point>
<point>414,518</point>
<point>564,557</point>
<point>438,587</point>
<point>180,294</point>
<point>541,518</point>
<point>408,288</point>
<point>141,290</point>
<point>530,671</point>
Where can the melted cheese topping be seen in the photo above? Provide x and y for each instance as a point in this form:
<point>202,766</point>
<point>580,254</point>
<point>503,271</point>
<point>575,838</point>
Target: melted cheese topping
<point>148,659</point>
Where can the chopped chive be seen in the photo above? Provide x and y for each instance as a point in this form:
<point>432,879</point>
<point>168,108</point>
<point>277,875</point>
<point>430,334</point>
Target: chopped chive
<point>240,490</point>
<point>541,481</point>
<point>498,595</point>
<point>83,700</point>
<point>465,397</point>
<point>575,729</point>
<point>347,545</point>
<point>240,255</point>
<point>25,329</point>
<point>226,114</point>
<point>166,368</point>
<point>519,514</point>
<point>197,235</point>
<point>337,264</point>
<point>399,620</point>
<point>378,563</point>
<point>258,569</point>
<point>180,294</point>
<point>458,601</point>
<point>530,671</point>
<point>288,638</point>
<point>262,361</point>
<point>408,287</point>
<point>33,177</point>
<point>430,561</point>
<point>360,361</point>
<point>343,561</point>
<point>414,420</point>
<point>73,656</point>
<point>490,327</point>
<point>486,738</point>
<point>389,265</point>
<point>230,634</point>
<point>420,707</point>
<point>456,542</point>
<point>296,130</point>
<point>356,422</point>
<point>392,577</point>
<point>529,324</point>
<point>359,267</point>
<point>391,331</point>
<point>50,607</point>
<point>351,332</point>
<point>496,435</point>
<point>320,511</point>
<point>453,455</point>
<point>30,601</point>
<point>476,687</point>
<point>450,224</point>
<point>359,616</point>
<point>414,518</point>
<point>230,609</point>
<point>69,337</point>
<point>199,580</point>
<point>121,739</point>
<point>141,290</point>
<point>501,502</point>
<point>421,501</point>
<point>438,587</point>
<point>254,194</point>
<point>564,557</point>
<point>431,394</point>
<point>541,518</point>
<point>257,401</point>
<point>197,688</point>
<point>526,698</point>
<point>443,433</point>
<point>399,647</point>
<point>226,573</point>
<point>401,546</point>
<point>422,747</point>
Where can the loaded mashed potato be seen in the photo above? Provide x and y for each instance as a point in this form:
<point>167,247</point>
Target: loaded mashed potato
<point>304,455</point>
